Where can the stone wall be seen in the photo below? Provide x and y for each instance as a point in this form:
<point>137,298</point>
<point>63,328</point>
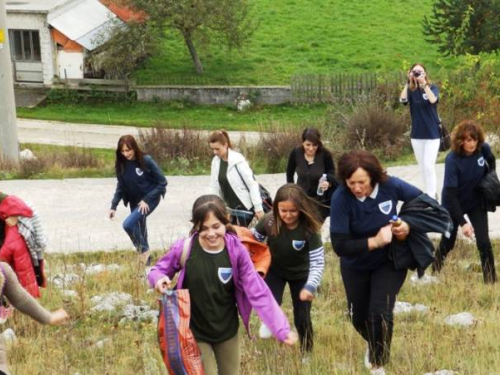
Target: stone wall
<point>213,95</point>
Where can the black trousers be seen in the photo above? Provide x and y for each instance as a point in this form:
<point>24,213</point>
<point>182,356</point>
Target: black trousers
<point>371,296</point>
<point>479,220</point>
<point>301,309</point>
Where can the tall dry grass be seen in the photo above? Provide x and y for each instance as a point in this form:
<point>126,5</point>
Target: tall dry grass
<point>422,342</point>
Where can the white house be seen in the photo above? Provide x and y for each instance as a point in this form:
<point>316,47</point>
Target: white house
<point>52,38</point>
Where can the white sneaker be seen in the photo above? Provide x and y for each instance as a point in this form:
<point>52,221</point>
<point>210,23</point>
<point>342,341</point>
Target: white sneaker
<point>264,332</point>
<point>368,364</point>
<point>377,371</point>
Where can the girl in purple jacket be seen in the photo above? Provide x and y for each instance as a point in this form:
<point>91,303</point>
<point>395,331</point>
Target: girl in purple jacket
<point>222,282</point>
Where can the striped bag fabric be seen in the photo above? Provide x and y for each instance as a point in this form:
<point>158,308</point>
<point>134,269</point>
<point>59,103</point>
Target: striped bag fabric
<point>178,346</point>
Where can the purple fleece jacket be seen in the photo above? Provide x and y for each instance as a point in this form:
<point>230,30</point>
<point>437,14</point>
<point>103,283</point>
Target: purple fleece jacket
<point>251,290</point>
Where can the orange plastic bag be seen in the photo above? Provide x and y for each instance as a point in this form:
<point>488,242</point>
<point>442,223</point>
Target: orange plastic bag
<point>178,346</point>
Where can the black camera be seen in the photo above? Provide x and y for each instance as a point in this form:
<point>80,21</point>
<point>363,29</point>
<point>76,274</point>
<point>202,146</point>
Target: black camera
<point>416,74</point>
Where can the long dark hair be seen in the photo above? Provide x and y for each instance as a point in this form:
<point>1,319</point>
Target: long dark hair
<point>129,141</point>
<point>306,206</point>
<point>203,206</point>
<point>314,136</point>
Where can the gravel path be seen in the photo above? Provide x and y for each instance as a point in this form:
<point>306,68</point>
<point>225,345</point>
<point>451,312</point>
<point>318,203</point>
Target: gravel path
<point>74,211</point>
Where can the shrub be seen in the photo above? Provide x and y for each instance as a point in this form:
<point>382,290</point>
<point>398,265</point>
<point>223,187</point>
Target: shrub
<point>374,127</point>
<point>274,148</point>
<point>176,148</point>
<point>31,167</point>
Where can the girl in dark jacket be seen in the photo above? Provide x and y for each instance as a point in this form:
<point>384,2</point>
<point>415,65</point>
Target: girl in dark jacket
<point>140,183</point>
<point>311,161</point>
<point>465,166</point>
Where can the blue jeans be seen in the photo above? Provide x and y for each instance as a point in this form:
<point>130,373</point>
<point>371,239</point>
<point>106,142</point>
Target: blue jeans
<point>135,226</point>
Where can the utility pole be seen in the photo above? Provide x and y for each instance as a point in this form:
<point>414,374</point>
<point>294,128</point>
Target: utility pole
<point>9,146</point>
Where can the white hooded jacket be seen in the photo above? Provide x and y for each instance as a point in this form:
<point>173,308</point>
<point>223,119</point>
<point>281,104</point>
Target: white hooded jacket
<point>250,199</point>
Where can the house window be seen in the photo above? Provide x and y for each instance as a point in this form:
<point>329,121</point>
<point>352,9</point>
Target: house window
<point>25,45</point>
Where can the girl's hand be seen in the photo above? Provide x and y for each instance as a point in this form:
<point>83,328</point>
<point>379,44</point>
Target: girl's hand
<point>306,295</point>
<point>259,215</point>
<point>143,207</point>
<point>12,221</point>
<point>58,317</point>
<point>467,230</point>
<point>291,338</point>
<point>112,214</point>
<point>163,285</point>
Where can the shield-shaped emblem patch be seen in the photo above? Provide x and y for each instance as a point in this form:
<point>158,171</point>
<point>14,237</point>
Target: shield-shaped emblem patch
<point>385,207</point>
<point>298,245</point>
<point>480,161</point>
<point>225,274</point>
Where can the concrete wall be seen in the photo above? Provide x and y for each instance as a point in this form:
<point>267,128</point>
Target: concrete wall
<point>215,94</point>
<point>37,21</point>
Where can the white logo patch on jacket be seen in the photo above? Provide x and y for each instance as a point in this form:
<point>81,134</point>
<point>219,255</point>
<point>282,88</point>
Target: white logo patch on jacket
<point>298,245</point>
<point>225,274</point>
<point>425,97</point>
<point>480,161</point>
<point>139,171</point>
<point>385,207</point>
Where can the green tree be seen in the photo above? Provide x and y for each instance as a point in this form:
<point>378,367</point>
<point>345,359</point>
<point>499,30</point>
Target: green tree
<point>125,48</point>
<point>200,21</point>
<point>461,27</point>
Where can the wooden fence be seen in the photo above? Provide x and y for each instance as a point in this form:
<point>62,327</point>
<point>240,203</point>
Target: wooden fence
<point>325,88</point>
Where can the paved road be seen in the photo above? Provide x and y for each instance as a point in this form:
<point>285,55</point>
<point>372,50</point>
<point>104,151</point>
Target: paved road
<point>74,211</point>
<point>89,135</point>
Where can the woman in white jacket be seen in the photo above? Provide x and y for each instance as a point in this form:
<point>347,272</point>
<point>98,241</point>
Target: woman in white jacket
<point>232,180</point>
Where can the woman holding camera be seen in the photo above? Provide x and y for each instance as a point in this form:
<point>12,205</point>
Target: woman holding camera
<point>423,96</point>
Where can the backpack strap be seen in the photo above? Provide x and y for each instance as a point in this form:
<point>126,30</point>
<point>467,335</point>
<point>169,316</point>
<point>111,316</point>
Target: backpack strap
<point>185,250</point>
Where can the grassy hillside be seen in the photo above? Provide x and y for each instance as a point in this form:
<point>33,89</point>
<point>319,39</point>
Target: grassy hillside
<point>102,343</point>
<point>307,36</point>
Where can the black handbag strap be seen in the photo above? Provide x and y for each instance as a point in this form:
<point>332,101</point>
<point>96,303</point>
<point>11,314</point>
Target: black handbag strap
<point>242,179</point>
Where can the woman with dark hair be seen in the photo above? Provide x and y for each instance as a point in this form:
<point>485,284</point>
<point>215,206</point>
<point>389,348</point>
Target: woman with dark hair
<point>232,179</point>
<point>422,96</point>
<point>140,183</point>
<point>221,281</point>
<point>293,235</point>
<point>361,231</point>
<point>466,164</point>
<point>311,160</point>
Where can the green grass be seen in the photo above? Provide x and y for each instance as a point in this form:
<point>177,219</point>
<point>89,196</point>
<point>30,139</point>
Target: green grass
<point>422,342</point>
<point>304,36</point>
<point>177,115</point>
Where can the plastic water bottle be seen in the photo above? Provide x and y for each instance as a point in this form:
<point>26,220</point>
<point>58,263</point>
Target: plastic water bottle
<point>320,190</point>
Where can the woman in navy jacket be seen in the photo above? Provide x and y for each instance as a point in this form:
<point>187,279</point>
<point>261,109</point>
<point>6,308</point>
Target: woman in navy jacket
<point>141,184</point>
<point>361,231</point>
<point>464,168</point>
